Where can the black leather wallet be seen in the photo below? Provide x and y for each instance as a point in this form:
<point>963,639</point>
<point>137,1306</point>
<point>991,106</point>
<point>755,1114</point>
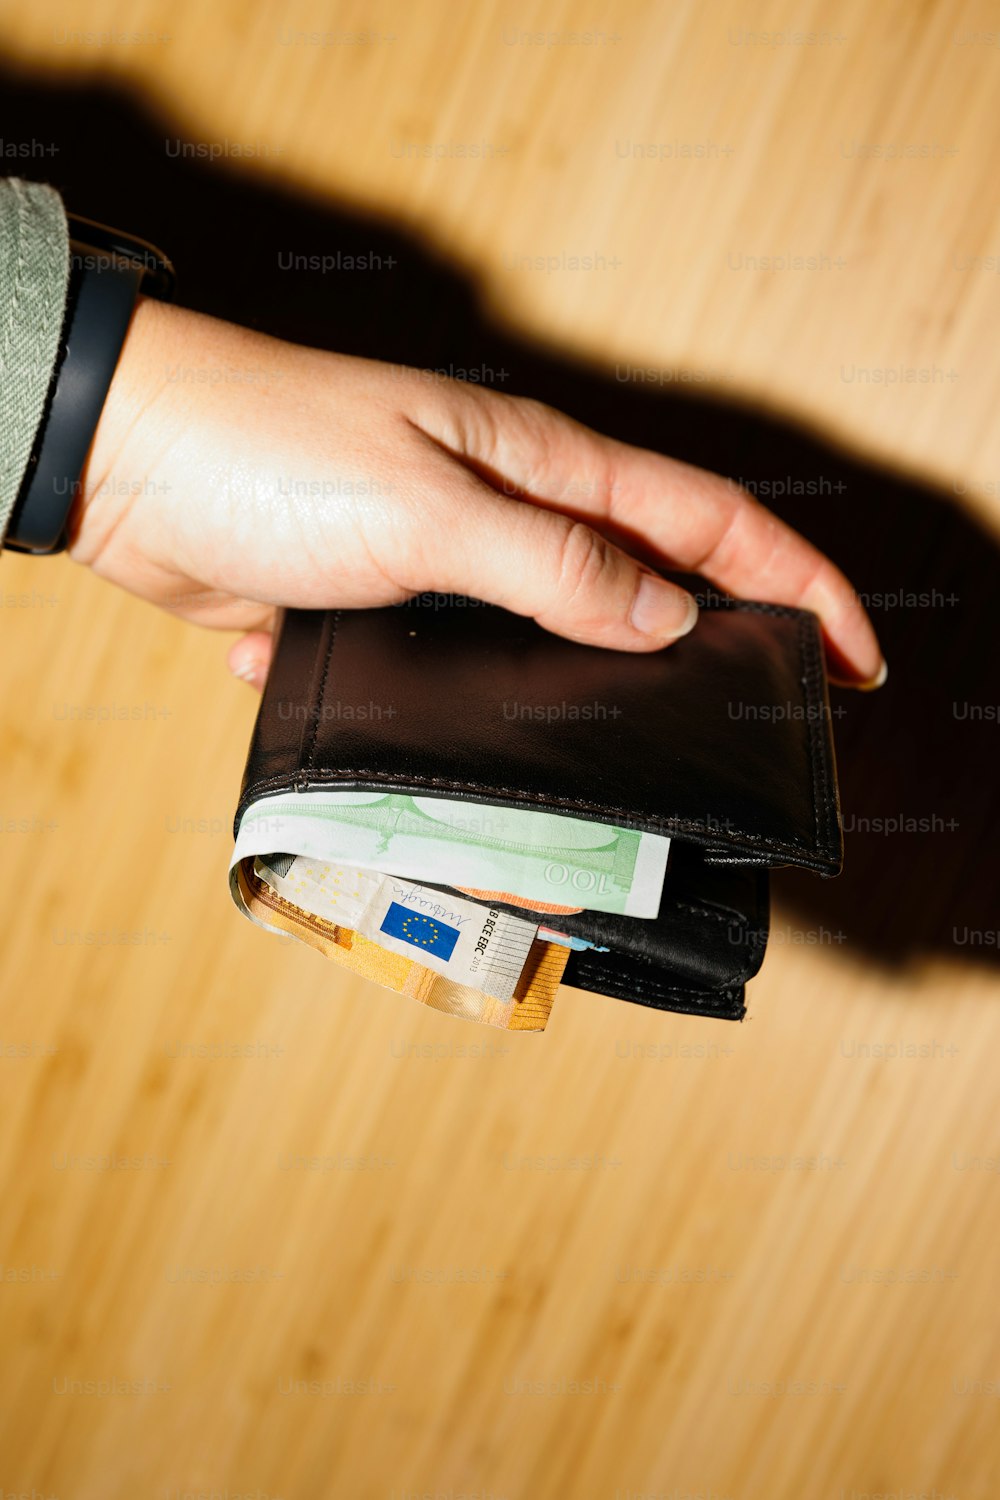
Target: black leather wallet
<point>722,741</point>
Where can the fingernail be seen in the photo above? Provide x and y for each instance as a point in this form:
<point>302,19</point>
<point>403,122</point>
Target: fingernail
<point>248,671</point>
<point>663,610</point>
<point>877,680</point>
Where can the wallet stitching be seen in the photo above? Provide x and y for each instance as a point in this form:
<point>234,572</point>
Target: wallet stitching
<point>686,825</point>
<point>811,746</point>
<point>619,990</point>
<point>820,786</point>
<point>622,987</point>
<point>704,911</point>
<point>310,752</point>
<point>731,918</point>
<point>741,975</point>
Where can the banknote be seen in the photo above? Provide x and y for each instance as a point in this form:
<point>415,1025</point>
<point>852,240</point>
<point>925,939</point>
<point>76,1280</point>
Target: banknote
<point>528,1009</point>
<point>565,863</point>
<point>472,944</point>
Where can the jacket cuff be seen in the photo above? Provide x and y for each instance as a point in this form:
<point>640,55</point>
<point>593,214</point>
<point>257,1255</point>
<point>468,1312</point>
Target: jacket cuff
<point>34,276</point>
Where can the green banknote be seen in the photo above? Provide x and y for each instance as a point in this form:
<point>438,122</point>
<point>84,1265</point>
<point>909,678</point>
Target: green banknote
<point>539,856</point>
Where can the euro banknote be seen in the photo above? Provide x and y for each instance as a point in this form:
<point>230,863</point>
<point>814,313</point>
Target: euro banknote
<point>469,943</point>
<point>528,1009</point>
<point>558,863</point>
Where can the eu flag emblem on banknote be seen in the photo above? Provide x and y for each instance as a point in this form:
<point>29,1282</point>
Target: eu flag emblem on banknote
<point>423,932</point>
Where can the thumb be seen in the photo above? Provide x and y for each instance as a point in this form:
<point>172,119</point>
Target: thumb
<point>567,576</point>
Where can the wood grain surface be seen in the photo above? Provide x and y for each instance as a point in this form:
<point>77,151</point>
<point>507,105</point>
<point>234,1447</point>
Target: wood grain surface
<point>267,1231</point>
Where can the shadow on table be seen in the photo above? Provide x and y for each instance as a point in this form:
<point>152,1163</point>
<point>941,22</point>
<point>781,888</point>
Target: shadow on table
<point>918,761</point>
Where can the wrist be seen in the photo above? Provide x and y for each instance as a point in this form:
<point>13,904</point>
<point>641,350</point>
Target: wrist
<point>127,393</point>
<point>107,273</point>
<point>108,469</point>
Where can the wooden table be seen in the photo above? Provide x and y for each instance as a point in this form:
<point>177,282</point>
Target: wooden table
<point>265,1231</point>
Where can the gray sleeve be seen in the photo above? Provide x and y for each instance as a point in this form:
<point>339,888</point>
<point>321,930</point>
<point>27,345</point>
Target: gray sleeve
<point>34,272</point>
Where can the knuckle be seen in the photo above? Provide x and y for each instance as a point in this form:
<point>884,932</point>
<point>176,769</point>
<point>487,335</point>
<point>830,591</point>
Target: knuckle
<point>468,418</point>
<point>583,562</point>
<point>534,415</point>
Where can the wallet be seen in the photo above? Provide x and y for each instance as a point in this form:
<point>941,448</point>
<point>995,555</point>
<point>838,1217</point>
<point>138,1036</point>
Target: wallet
<point>722,742</point>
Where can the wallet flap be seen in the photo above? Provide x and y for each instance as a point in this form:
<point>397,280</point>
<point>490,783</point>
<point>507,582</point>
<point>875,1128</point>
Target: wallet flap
<point>710,930</point>
<point>722,740</point>
<point>696,955</point>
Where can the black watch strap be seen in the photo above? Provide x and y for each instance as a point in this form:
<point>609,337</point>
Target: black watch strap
<point>108,271</point>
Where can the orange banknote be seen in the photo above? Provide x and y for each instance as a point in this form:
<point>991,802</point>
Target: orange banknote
<point>528,1010</point>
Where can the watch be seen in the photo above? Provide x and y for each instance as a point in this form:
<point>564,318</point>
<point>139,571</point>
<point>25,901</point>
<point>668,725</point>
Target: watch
<point>108,271</point>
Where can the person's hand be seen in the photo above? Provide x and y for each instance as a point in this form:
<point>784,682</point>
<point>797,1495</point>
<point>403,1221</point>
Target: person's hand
<point>232,473</point>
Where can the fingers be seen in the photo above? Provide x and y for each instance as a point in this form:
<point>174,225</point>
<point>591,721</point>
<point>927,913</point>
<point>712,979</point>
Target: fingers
<point>544,564</point>
<point>742,547</point>
<point>250,658</point>
<point>693,520</point>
